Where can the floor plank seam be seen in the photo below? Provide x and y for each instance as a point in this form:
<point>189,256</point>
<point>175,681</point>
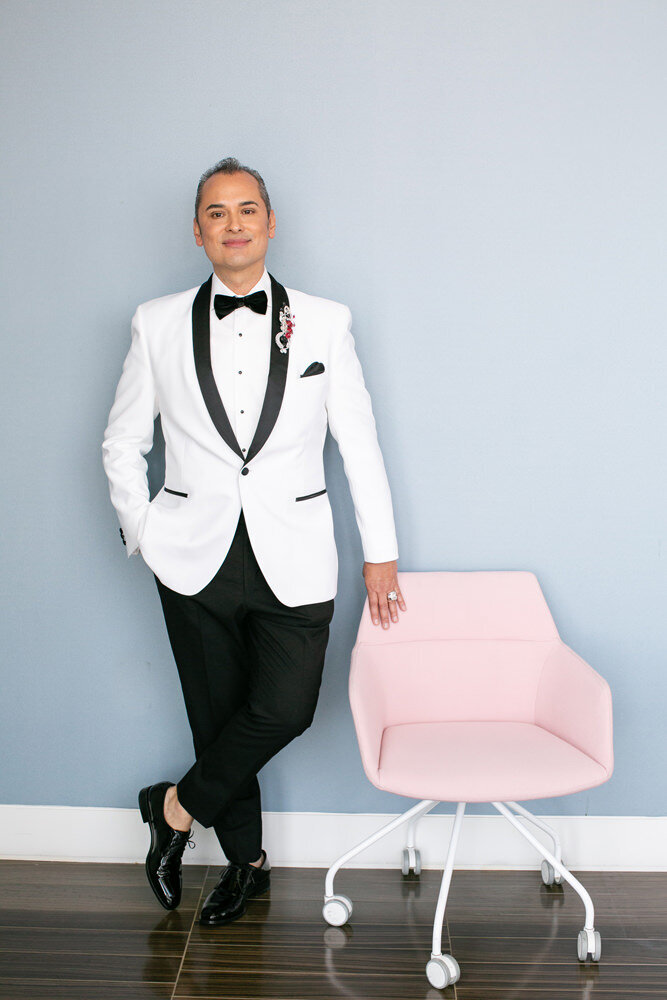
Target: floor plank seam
<point>187,943</point>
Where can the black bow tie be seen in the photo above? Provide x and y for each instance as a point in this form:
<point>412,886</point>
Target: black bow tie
<point>225,304</point>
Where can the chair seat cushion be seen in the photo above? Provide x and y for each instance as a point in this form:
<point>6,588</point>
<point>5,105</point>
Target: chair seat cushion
<point>482,762</point>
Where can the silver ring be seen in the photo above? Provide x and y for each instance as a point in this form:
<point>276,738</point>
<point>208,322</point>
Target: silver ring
<point>392,596</point>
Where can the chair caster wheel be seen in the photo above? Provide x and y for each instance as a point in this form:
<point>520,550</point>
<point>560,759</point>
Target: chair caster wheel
<point>412,861</point>
<point>442,971</point>
<point>589,943</point>
<point>337,910</point>
<point>549,874</point>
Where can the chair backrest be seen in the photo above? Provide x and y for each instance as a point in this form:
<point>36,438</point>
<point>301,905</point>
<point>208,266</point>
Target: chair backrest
<point>470,646</point>
<point>484,604</point>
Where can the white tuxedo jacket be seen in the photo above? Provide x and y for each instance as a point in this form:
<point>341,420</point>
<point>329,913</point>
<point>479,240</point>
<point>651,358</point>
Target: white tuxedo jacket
<point>184,533</point>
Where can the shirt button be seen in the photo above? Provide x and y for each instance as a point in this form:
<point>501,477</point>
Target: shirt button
<point>241,411</point>
<point>240,372</point>
<point>244,471</point>
<point>240,335</point>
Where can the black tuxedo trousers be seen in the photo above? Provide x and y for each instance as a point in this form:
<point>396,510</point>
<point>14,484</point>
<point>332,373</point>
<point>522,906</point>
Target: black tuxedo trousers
<point>250,669</point>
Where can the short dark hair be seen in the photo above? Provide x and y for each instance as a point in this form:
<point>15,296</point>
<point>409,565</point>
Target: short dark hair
<point>230,165</point>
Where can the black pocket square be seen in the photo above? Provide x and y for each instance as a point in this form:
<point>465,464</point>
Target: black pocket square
<point>316,368</point>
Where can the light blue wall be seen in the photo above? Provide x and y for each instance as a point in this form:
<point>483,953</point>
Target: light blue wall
<point>484,184</point>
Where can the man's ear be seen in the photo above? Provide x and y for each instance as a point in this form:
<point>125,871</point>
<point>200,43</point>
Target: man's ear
<point>272,224</point>
<point>197,231</point>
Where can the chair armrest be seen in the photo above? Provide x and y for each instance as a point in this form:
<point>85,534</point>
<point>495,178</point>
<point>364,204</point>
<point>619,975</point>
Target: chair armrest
<point>368,705</point>
<point>574,702</point>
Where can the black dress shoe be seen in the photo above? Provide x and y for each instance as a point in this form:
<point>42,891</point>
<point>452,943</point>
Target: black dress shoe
<point>163,861</point>
<point>237,884</point>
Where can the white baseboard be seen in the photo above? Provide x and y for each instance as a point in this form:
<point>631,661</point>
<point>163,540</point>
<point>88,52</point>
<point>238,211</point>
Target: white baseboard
<point>81,833</point>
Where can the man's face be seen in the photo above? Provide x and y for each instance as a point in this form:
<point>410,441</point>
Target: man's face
<point>233,227</point>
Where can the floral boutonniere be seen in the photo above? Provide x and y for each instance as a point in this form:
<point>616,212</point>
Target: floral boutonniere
<point>286,328</point>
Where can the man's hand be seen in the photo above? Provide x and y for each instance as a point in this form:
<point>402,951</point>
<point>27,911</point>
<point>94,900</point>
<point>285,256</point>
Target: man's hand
<point>380,580</point>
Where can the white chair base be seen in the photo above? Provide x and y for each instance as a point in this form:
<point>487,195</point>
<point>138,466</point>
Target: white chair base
<point>443,970</point>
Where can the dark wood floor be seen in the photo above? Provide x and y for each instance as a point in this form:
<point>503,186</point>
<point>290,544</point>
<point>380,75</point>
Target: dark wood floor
<point>95,932</point>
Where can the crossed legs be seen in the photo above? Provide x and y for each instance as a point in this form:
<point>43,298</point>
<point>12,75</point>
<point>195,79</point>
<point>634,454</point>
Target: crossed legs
<point>250,670</point>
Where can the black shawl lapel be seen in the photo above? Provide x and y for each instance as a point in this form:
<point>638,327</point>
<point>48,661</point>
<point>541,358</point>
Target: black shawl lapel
<point>201,342</point>
<point>275,387</point>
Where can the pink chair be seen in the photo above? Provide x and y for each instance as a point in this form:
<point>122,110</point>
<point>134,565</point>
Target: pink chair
<point>473,697</point>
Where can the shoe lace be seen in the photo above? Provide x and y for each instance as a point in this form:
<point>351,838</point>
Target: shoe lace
<point>177,846</point>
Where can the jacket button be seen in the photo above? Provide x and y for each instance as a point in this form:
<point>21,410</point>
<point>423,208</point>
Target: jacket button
<point>244,471</point>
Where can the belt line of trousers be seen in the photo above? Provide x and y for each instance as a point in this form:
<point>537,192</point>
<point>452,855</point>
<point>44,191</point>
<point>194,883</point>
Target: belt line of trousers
<point>250,669</point>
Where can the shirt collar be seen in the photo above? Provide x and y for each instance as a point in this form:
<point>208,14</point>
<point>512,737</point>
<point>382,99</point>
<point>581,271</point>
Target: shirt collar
<point>219,288</point>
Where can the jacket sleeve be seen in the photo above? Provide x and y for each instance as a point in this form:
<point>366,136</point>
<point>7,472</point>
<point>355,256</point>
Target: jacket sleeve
<point>352,424</point>
<point>129,436</point>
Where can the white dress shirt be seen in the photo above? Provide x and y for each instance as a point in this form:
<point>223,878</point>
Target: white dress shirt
<point>240,355</point>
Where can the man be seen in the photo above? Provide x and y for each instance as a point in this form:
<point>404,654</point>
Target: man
<point>246,375</point>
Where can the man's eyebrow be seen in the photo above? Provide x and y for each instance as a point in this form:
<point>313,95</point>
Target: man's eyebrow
<point>222,204</point>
